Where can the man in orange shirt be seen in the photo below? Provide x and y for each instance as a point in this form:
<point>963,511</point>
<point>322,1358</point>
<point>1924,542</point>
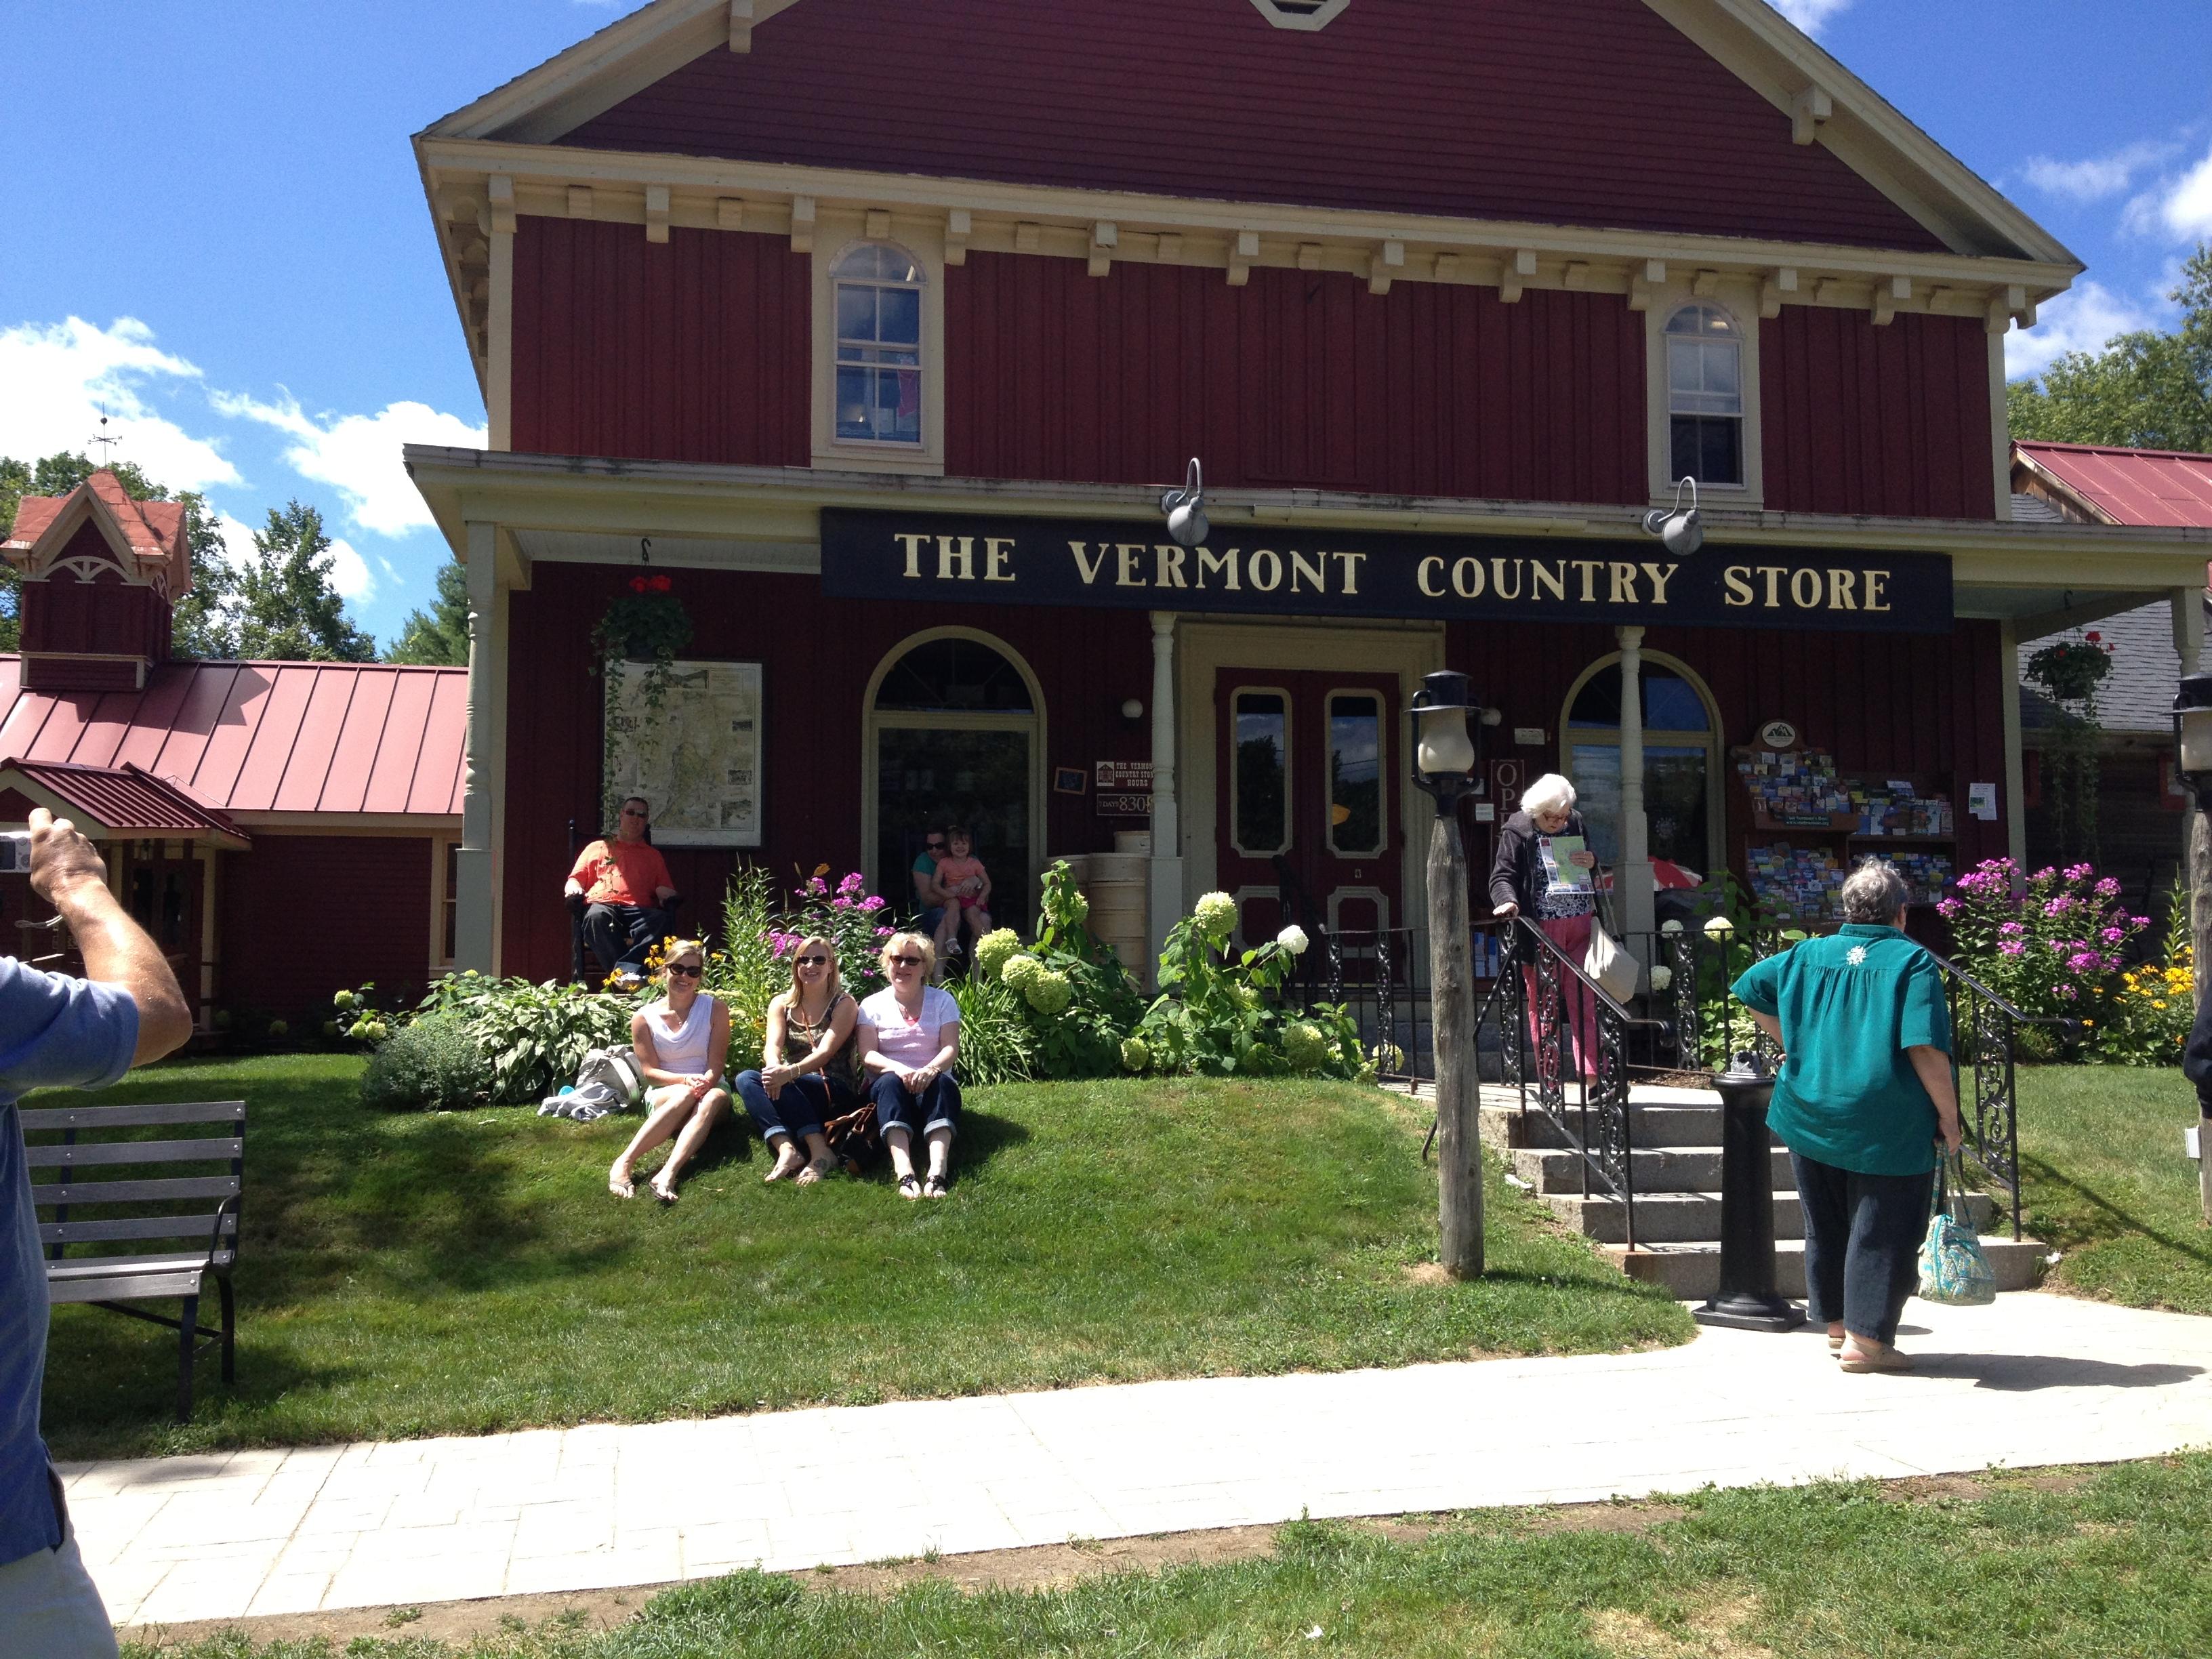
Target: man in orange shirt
<point>626,886</point>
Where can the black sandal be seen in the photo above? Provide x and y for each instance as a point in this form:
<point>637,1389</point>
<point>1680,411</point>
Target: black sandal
<point>909,1186</point>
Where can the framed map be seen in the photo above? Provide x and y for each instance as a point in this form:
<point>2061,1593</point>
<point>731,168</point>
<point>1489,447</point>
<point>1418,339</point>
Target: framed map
<point>698,760</point>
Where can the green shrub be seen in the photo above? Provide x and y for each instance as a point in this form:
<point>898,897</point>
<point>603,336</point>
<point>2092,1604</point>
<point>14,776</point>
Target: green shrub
<point>1220,1015</point>
<point>997,1044</point>
<point>432,1064</point>
<point>531,1037</point>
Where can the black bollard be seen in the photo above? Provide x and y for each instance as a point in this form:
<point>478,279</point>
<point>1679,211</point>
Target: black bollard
<point>1746,1299</point>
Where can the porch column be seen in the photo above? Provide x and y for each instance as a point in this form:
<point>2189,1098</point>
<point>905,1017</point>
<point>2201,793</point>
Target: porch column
<point>1632,879</point>
<point>2013,802</point>
<point>476,887</point>
<point>1166,907</point>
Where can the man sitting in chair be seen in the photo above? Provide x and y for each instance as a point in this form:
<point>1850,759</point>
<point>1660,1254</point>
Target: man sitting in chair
<point>625,885</point>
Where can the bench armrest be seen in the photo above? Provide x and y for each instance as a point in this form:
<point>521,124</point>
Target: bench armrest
<point>229,1207</point>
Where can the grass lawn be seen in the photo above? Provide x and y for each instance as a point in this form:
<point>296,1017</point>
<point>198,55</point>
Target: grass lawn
<point>2107,1562</point>
<point>454,1273</point>
<point>2101,1156</point>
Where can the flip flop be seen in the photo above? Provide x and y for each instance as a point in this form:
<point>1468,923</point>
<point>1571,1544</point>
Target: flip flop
<point>934,1186</point>
<point>910,1186</point>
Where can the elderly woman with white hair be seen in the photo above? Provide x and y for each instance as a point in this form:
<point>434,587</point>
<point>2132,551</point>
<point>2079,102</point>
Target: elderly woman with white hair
<point>1863,1098</point>
<point>1530,878</point>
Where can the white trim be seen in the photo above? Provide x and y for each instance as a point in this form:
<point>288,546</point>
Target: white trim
<point>439,962</point>
<point>1305,16</point>
<point>1738,297</point>
<point>1290,774</point>
<point>1375,896</point>
<point>875,722</point>
<point>836,234</point>
<point>2000,431</point>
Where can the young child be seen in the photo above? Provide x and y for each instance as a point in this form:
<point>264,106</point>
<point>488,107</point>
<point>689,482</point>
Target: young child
<point>967,885</point>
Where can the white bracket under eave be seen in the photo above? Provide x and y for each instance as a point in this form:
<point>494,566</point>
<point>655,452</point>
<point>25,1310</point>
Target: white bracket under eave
<point>1807,112</point>
<point>1384,267</point>
<point>730,212</point>
<point>959,225</point>
<point>656,213</point>
<point>1513,275</point>
<point>500,189</point>
<point>1643,286</point>
<point>1242,253</point>
<point>1886,296</point>
<point>1105,237</point>
<point>741,25</point>
<point>1772,292</point>
<point>802,224</point>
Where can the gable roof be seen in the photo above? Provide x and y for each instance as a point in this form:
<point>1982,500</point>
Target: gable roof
<point>332,741</point>
<point>2111,485</point>
<point>1392,93</point>
<point>143,533</point>
<point>122,800</point>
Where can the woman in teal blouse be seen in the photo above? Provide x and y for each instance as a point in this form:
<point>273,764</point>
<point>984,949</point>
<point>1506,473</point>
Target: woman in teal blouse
<point>1863,1095</point>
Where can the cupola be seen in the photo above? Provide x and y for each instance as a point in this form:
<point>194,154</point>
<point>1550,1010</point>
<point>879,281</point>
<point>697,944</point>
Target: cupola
<point>100,572</point>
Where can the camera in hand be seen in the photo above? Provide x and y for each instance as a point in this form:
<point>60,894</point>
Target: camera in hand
<point>15,853</point>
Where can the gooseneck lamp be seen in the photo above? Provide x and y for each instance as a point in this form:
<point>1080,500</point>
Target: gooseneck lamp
<point>1186,509</point>
<point>1681,529</point>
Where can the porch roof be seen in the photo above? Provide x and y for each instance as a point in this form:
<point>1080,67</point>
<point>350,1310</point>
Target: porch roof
<point>126,802</point>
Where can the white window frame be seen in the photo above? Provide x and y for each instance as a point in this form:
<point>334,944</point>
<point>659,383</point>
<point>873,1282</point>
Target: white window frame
<point>1290,774</point>
<point>1304,15</point>
<point>1738,301</point>
<point>441,895</point>
<point>837,236</point>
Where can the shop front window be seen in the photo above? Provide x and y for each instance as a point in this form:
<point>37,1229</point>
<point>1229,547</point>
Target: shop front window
<point>878,391</point>
<point>1681,767</point>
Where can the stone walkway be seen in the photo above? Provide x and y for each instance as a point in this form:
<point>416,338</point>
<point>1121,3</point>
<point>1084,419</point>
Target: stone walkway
<point>2037,1379</point>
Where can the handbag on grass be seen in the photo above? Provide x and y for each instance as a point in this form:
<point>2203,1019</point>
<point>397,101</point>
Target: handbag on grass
<point>1953,1270</point>
<point>1608,960</point>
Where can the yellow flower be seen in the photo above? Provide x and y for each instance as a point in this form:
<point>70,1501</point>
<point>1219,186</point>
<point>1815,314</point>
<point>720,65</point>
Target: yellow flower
<point>2159,1004</point>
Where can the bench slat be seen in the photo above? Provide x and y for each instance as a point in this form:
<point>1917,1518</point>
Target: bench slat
<point>134,1192</point>
<point>152,1226</point>
<point>135,1152</point>
<point>126,1266</point>
<point>130,1287</point>
<point>117,1117</point>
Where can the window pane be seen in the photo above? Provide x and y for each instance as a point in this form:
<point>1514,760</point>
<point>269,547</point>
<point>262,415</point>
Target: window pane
<point>1355,773</point>
<point>900,316</point>
<point>1682,368</point>
<point>852,403</point>
<point>1674,805</point>
<point>1671,704</point>
<point>1723,369</point>
<point>1598,704</point>
<point>1720,457</point>
<point>1263,805</point>
<point>1595,767</point>
<point>856,312</point>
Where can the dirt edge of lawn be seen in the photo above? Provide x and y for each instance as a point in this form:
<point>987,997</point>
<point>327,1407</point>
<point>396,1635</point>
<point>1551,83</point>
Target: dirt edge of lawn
<point>1043,1567</point>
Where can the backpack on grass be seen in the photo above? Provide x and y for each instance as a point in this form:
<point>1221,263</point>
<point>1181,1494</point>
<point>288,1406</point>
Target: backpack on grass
<point>609,1080</point>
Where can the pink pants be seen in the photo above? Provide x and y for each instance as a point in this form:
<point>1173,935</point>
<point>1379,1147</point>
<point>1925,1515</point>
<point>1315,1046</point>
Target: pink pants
<point>1572,935</point>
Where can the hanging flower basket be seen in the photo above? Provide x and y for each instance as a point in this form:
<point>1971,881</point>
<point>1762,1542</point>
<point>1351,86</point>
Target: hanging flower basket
<point>2072,669</point>
<point>648,624</point>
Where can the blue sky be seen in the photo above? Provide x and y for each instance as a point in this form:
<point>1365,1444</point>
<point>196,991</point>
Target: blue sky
<point>218,230</point>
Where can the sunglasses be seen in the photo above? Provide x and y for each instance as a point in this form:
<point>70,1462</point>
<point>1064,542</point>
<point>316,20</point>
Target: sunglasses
<point>813,962</point>
<point>906,962</point>
<point>688,969</point>
<point>932,846</point>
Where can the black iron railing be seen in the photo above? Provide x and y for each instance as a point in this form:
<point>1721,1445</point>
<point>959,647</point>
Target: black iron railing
<point>1984,1039</point>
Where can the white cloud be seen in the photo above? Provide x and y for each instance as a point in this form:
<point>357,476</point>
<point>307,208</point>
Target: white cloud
<point>358,455</point>
<point>2081,319</point>
<point>349,573</point>
<point>58,377</point>
<point>1811,15</point>
<point>2097,177</point>
<point>2186,209</point>
<point>238,548</point>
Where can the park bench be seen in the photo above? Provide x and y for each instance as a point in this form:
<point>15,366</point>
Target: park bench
<point>132,1185</point>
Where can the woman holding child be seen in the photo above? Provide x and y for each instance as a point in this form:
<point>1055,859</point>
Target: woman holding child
<point>682,1042</point>
<point>808,1072</point>
<point>909,1040</point>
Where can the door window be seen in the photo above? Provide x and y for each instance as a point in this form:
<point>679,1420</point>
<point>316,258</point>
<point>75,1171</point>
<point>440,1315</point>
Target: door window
<point>1680,764</point>
<point>1259,785</point>
<point>1355,773</point>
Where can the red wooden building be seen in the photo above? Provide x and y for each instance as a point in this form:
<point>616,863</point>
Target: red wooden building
<point>885,325</point>
<point>284,829</point>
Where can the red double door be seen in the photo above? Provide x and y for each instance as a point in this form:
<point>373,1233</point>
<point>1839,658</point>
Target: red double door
<point>1307,766</point>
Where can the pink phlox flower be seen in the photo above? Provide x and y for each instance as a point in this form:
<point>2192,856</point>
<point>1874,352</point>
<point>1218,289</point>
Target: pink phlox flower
<point>2108,888</point>
<point>886,933</point>
<point>2080,872</point>
<point>2066,991</point>
<point>2113,935</point>
<point>2111,963</point>
<point>2045,873</point>
<point>1949,907</point>
<point>2012,929</point>
<point>2084,962</point>
<point>817,886</point>
<point>2140,921</point>
<point>872,903</point>
<point>841,902</point>
<point>2011,947</point>
<point>852,884</point>
<point>2059,906</point>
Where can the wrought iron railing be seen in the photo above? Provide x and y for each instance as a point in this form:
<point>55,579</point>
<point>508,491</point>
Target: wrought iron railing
<point>1984,1040</point>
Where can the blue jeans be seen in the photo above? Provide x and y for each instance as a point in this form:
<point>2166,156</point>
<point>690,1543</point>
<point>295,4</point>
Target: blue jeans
<point>622,934</point>
<point>798,1110</point>
<point>897,1108</point>
<point>1862,1235</point>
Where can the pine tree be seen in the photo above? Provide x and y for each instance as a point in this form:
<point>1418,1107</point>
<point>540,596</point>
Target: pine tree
<point>438,638</point>
<point>286,610</point>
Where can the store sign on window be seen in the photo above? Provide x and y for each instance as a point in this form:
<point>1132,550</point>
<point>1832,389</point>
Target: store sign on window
<point>1266,570</point>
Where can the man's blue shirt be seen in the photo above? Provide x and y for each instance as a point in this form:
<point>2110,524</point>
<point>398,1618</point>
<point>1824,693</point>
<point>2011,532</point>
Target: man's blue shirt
<point>54,1033</point>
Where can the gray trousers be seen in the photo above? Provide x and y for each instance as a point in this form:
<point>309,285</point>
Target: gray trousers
<point>50,1606</point>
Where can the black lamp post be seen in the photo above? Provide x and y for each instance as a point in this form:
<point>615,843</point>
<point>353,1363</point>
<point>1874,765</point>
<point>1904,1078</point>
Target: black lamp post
<point>1746,1299</point>
<point>1444,765</point>
<point>2193,744</point>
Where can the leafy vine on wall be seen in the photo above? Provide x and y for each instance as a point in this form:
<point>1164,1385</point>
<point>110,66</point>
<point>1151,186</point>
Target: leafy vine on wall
<point>648,625</point>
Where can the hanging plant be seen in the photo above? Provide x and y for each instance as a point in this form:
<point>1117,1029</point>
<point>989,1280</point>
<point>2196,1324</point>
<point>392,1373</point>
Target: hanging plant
<point>2070,671</point>
<point>648,625</point>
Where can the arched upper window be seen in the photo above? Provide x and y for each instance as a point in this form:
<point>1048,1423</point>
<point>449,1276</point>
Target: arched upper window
<point>1682,762</point>
<point>955,676</point>
<point>878,393</point>
<point>1704,395</point>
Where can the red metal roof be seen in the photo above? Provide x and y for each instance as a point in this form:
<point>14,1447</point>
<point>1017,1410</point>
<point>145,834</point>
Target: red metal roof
<point>125,798</point>
<point>259,737</point>
<point>2129,486</point>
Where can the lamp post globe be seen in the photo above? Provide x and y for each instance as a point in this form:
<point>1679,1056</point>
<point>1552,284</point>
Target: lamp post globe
<point>1443,746</point>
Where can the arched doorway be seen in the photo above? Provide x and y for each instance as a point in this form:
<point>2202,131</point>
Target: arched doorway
<point>956,730</point>
<point>1682,802</point>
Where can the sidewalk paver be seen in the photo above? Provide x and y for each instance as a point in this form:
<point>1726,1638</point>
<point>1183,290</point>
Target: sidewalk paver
<point>2037,1379</point>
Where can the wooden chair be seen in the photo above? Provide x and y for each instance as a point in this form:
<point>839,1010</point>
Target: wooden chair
<point>121,1168</point>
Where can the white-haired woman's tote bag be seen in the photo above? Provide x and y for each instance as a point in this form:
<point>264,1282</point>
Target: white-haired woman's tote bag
<point>1608,960</point>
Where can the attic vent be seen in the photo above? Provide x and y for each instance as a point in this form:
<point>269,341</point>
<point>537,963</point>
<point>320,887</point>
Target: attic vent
<point>1301,14</point>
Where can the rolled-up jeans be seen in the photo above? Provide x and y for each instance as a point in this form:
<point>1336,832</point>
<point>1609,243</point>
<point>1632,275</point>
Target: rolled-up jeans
<point>799,1109</point>
<point>621,935</point>
<point>897,1107</point>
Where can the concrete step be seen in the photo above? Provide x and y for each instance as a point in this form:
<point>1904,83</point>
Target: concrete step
<point>1692,1272</point>
<point>1655,1124</point>
<point>1688,1218</point>
<point>1656,1168</point>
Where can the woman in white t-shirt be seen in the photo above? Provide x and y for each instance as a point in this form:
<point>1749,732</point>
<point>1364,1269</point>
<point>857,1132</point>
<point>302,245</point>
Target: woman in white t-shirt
<point>683,1045</point>
<point>909,1037</point>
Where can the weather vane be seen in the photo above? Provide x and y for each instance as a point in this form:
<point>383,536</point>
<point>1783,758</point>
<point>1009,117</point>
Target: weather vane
<point>103,438</point>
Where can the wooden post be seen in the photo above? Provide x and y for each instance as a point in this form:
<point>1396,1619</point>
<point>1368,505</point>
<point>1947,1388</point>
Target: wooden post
<point>2200,941</point>
<point>1451,1005</point>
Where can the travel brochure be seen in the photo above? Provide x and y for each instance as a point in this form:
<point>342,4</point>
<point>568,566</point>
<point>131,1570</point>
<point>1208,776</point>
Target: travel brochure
<point>1561,873</point>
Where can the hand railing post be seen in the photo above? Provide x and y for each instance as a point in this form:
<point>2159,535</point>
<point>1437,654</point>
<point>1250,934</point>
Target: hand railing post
<point>1746,1298</point>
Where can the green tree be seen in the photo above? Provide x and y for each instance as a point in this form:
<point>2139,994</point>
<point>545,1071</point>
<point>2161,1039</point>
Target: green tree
<point>201,625</point>
<point>286,611</point>
<point>438,638</point>
<point>2145,389</point>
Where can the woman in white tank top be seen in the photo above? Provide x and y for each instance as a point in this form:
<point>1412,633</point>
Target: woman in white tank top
<point>683,1042</point>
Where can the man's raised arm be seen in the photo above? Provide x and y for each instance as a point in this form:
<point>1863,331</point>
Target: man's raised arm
<point>66,871</point>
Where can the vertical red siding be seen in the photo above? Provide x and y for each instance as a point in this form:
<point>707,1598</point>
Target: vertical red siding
<point>305,915</point>
<point>1573,111</point>
<point>697,348</point>
<point>1892,421</point>
<point>816,656</point>
<point>1297,379</point>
